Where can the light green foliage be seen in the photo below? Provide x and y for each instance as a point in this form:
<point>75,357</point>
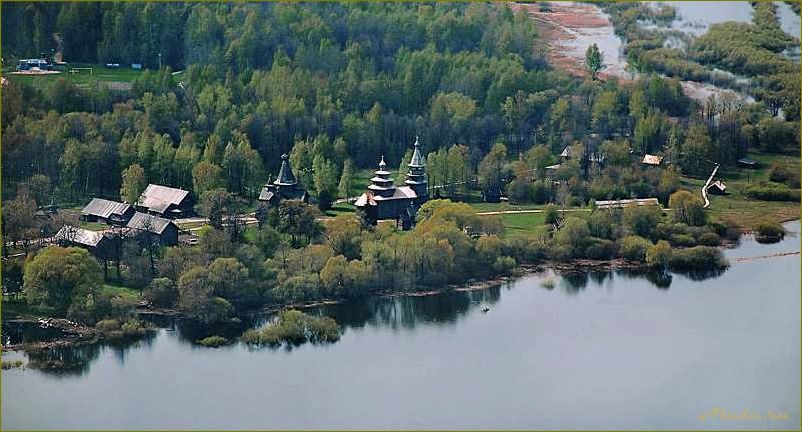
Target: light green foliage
<point>634,248</point>
<point>688,208</point>
<point>658,255</point>
<point>295,327</point>
<point>133,183</point>
<point>594,61</point>
<point>63,279</point>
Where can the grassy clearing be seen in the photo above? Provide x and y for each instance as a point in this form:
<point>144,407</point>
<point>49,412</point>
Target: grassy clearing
<point>522,224</point>
<point>504,206</point>
<point>99,74</point>
<point>120,291</point>
<point>93,226</point>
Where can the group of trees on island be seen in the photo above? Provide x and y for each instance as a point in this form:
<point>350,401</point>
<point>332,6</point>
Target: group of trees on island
<point>335,86</point>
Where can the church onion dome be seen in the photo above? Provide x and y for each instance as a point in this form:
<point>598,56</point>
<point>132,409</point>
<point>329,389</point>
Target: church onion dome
<point>417,158</point>
<point>382,171</point>
<point>285,176</point>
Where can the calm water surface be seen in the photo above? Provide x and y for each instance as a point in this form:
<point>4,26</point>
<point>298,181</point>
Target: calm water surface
<point>599,350</point>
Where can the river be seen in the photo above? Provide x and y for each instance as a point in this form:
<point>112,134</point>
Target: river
<point>598,350</point>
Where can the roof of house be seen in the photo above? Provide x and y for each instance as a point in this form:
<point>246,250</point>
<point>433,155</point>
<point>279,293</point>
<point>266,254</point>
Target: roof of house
<point>627,203</point>
<point>747,161</point>
<point>158,198</point>
<point>566,152</point>
<point>718,184</point>
<point>105,208</point>
<point>148,222</point>
<point>652,159</point>
<point>77,235</point>
<point>369,198</point>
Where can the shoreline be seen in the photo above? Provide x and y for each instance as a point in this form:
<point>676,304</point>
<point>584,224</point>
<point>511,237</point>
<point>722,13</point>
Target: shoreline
<point>79,334</point>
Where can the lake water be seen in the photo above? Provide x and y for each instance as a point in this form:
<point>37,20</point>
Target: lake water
<point>598,350</point>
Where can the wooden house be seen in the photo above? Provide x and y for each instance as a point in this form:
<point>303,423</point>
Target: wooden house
<point>109,212</point>
<point>144,225</point>
<point>165,202</point>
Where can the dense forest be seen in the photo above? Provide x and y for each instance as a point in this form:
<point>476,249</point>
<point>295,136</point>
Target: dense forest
<point>227,88</point>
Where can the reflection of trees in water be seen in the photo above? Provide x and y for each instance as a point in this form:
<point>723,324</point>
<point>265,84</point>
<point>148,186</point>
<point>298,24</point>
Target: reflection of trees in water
<point>408,312</point>
<point>190,331</point>
<point>65,361</point>
<point>574,282</point>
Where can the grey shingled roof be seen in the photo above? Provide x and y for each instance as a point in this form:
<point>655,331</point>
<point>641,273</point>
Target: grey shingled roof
<point>417,159</point>
<point>77,235</point>
<point>285,176</point>
<point>158,198</point>
<point>105,208</point>
<point>144,221</point>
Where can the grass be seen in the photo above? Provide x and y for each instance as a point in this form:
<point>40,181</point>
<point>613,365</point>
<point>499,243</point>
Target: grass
<point>504,206</point>
<point>338,209</point>
<point>93,226</point>
<point>99,74</point>
<point>522,224</point>
<point>120,291</point>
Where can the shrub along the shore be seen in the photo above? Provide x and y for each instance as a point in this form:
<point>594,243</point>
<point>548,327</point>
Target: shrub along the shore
<point>767,231</point>
<point>450,244</point>
<point>295,327</point>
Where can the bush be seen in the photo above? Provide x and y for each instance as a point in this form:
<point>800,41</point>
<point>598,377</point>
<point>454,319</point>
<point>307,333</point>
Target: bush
<point>212,341</point>
<point>107,325</point>
<point>12,364</point>
<point>773,192</point>
<point>600,249</point>
<point>634,248</point>
<point>659,255</point>
<point>767,231</point>
<point>699,258</point>
<point>295,327</point>
<point>161,292</point>
<point>688,208</point>
<point>683,240</point>
<point>784,174</point>
<point>728,229</point>
<point>504,264</point>
<point>551,214</point>
<point>709,239</point>
<point>532,248</point>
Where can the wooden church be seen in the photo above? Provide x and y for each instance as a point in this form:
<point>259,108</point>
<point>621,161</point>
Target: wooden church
<point>383,200</point>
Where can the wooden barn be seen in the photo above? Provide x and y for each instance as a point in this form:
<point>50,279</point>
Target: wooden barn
<point>110,212</point>
<point>143,224</point>
<point>96,242</point>
<point>165,201</point>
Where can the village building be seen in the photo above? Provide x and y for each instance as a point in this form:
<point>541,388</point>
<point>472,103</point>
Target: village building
<point>652,160</point>
<point>106,211</point>
<point>285,187</point>
<point>746,162</point>
<point>626,203</point>
<point>142,224</point>
<point>96,242</point>
<point>165,201</point>
<point>717,188</point>
<point>384,201</point>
